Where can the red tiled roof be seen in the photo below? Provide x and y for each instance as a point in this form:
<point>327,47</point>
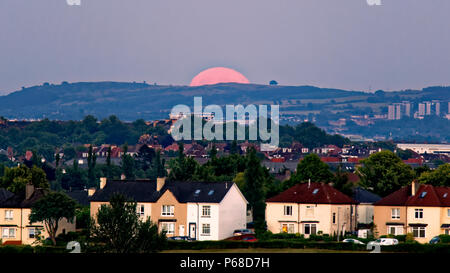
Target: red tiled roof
<point>434,197</point>
<point>302,193</point>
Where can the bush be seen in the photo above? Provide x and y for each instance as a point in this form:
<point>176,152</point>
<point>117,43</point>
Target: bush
<point>445,239</point>
<point>16,249</point>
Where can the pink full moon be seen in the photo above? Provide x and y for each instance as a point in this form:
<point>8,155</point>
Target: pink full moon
<point>218,75</point>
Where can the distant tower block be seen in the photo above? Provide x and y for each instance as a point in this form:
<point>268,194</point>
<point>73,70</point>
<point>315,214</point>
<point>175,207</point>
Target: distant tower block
<point>407,107</point>
<point>437,105</point>
<point>428,108</point>
<point>398,111</point>
<point>421,109</point>
<point>391,112</point>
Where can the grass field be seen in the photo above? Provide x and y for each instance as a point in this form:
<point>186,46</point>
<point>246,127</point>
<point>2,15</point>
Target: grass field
<point>263,250</point>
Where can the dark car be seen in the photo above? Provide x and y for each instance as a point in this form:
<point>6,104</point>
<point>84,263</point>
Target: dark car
<point>245,237</point>
<point>180,238</point>
<point>435,240</point>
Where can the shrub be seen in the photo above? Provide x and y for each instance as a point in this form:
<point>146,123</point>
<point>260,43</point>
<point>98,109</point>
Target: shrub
<point>445,239</point>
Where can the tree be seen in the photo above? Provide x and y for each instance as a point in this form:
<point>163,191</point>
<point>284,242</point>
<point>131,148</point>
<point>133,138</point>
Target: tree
<point>145,156</point>
<point>128,163</point>
<point>92,159</point>
<point>310,168</point>
<point>119,227</point>
<point>15,179</point>
<point>52,208</point>
<point>438,177</point>
<point>254,189</point>
<point>384,172</point>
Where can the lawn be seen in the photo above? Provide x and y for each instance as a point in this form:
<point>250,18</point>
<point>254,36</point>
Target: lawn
<point>263,250</point>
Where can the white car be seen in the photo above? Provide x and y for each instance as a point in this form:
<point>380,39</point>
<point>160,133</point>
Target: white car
<point>384,242</point>
<point>354,241</point>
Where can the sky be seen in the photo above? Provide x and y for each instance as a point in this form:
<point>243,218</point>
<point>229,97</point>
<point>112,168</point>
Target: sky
<point>345,44</point>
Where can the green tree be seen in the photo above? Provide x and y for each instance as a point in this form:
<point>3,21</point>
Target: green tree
<point>51,209</point>
<point>384,172</point>
<point>119,227</point>
<point>254,189</point>
<point>310,168</point>
<point>438,177</point>
<point>15,179</point>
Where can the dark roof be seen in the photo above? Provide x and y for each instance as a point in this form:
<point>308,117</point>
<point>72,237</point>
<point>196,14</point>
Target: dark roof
<point>81,196</point>
<point>184,192</point>
<point>19,201</point>
<point>5,194</point>
<point>364,196</point>
<point>315,193</point>
<point>434,197</point>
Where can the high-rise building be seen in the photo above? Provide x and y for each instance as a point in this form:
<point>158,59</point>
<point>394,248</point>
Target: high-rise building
<point>391,112</point>
<point>398,111</point>
<point>437,107</point>
<point>421,109</point>
<point>428,108</point>
<point>407,107</point>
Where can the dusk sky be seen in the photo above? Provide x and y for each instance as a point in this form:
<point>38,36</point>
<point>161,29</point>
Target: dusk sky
<point>327,43</point>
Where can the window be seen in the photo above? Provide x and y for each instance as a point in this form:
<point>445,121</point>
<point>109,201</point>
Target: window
<point>448,212</point>
<point>395,230</point>
<point>287,210</point>
<point>169,228</point>
<point>206,211</point>
<point>31,233</point>
<point>334,217</point>
<point>287,228</point>
<point>206,229</point>
<point>291,228</point>
<point>310,228</point>
<point>395,213</point>
<point>418,232</point>
<point>141,210</point>
<point>309,211</point>
<point>9,233</point>
<point>418,213</point>
<point>8,215</point>
<point>315,191</point>
<point>167,210</point>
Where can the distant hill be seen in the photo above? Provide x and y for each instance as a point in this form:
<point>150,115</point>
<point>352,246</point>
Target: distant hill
<point>131,101</point>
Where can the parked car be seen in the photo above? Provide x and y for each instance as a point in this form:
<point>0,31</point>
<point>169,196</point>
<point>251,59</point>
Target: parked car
<point>238,232</point>
<point>435,240</point>
<point>180,238</point>
<point>354,241</point>
<point>244,237</point>
<point>384,242</point>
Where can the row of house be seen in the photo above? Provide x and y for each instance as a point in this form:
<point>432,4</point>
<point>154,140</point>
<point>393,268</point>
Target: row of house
<point>213,210</point>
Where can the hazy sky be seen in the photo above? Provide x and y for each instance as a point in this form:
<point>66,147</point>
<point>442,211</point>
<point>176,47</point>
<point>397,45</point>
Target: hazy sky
<point>328,43</point>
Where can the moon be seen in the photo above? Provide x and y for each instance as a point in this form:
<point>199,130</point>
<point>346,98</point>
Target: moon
<point>217,75</point>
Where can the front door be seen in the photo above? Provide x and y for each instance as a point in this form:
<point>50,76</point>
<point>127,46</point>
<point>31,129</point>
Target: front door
<point>192,230</point>
<point>181,230</point>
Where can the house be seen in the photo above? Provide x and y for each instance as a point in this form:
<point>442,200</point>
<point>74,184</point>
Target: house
<point>14,217</point>
<point>200,210</point>
<point>311,208</point>
<point>364,209</point>
<point>420,209</point>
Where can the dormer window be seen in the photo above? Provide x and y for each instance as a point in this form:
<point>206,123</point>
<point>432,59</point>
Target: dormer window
<point>315,191</point>
<point>422,195</point>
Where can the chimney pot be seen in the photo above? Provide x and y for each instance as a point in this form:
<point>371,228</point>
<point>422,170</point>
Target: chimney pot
<point>414,187</point>
<point>29,189</point>
<point>102,182</point>
<point>160,181</point>
<point>91,191</point>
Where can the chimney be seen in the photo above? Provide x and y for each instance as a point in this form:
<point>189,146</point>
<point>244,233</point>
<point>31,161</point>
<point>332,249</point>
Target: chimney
<point>414,187</point>
<point>102,182</point>
<point>160,183</point>
<point>309,183</point>
<point>29,189</point>
<point>91,191</point>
